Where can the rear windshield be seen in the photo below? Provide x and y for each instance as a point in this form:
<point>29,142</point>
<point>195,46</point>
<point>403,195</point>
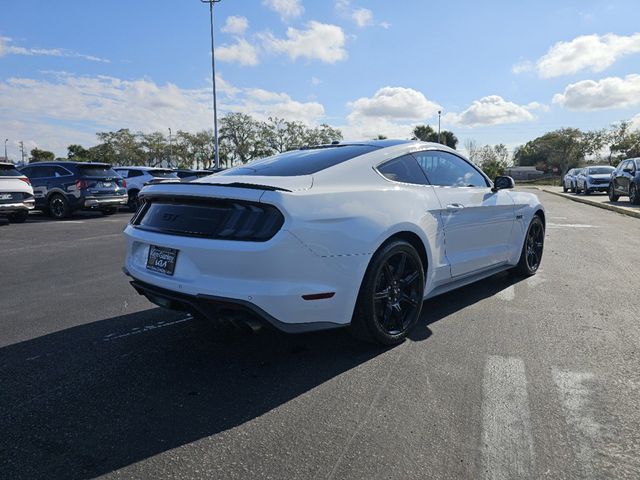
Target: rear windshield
<point>96,171</point>
<point>9,171</point>
<point>600,170</point>
<point>301,162</point>
<point>163,173</point>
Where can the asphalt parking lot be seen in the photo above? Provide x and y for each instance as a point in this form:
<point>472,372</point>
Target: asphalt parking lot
<point>507,378</point>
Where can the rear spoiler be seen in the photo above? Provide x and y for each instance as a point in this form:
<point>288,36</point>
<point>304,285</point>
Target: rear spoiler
<point>251,186</point>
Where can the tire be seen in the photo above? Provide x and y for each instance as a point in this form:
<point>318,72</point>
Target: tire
<point>564,187</point>
<point>110,210</point>
<point>19,217</point>
<point>58,207</point>
<point>612,193</point>
<point>586,190</point>
<point>390,298</point>
<point>532,249</point>
<point>576,190</point>
<point>133,203</point>
<point>634,195</point>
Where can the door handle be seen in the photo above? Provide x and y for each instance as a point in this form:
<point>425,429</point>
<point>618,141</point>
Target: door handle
<point>455,207</point>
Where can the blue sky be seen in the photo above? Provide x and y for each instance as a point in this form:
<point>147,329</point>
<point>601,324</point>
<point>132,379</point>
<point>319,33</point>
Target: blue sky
<point>501,72</point>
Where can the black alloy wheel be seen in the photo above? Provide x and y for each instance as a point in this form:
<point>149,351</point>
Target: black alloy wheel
<point>531,254</point>
<point>59,207</point>
<point>612,193</point>
<point>391,295</point>
<point>634,197</point>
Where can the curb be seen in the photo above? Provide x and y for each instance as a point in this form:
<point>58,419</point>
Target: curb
<point>605,206</point>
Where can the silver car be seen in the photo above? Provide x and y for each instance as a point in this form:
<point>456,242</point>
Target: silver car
<point>569,180</point>
<point>593,179</point>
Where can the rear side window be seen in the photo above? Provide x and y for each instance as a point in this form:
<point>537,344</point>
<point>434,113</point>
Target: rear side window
<point>99,171</point>
<point>163,173</point>
<point>403,169</point>
<point>302,162</point>
<point>122,173</point>
<point>61,172</point>
<point>448,170</point>
<point>134,173</point>
<point>10,171</point>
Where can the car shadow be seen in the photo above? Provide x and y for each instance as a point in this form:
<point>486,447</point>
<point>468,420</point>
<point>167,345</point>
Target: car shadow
<point>94,398</point>
<point>38,216</point>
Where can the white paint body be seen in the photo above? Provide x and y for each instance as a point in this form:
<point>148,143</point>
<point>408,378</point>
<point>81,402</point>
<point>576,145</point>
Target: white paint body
<point>10,185</point>
<point>335,220</point>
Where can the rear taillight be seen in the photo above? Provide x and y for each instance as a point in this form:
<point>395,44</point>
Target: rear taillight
<point>25,180</point>
<point>124,183</point>
<point>82,184</point>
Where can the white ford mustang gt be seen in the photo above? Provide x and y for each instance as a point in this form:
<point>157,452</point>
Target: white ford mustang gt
<point>345,234</point>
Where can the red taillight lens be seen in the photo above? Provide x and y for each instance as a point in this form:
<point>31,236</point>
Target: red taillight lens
<point>124,183</point>
<point>25,180</point>
<point>81,184</point>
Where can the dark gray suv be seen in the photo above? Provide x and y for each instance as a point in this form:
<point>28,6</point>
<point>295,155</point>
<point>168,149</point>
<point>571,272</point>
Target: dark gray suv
<point>60,188</point>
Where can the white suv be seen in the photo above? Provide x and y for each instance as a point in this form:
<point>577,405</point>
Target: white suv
<point>138,177</point>
<point>16,194</point>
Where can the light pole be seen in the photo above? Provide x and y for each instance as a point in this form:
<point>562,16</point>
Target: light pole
<point>5,149</point>
<point>170,148</point>
<point>439,113</point>
<point>213,76</point>
<point>22,151</point>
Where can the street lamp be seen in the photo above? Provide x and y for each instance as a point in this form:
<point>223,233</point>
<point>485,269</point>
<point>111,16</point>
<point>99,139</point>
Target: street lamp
<point>5,149</point>
<point>213,76</point>
<point>170,148</point>
<point>439,113</point>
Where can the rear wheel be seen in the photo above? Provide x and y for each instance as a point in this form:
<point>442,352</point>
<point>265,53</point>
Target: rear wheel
<point>390,298</point>
<point>531,254</point>
<point>634,196</point>
<point>612,193</point>
<point>19,217</point>
<point>586,190</point>
<point>59,207</point>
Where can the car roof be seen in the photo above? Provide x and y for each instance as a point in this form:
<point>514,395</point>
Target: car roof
<point>375,143</point>
<point>141,168</point>
<point>67,163</point>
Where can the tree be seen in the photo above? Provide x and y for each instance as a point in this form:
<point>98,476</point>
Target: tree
<point>562,149</point>
<point>380,137</point>
<point>78,153</point>
<point>121,148</point>
<point>493,160</point>
<point>155,148</point>
<point>427,134</point>
<point>38,155</point>
<point>471,147</point>
<point>623,142</point>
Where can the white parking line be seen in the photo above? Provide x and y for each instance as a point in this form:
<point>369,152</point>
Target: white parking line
<point>147,328</point>
<point>574,396</point>
<point>507,443</point>
<point>570,225</point>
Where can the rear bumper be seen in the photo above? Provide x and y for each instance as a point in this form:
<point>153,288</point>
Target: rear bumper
<point>25,205</point>
<point>99,202</point>
<point>269,279</point>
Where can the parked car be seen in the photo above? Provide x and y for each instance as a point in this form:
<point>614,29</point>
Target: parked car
<point>138,177</point>
<point>593,179</point>
<point>16,194</point>
<point>625,181</point>
<point>61,188</point>
<point>569,180</point>
<point>331,236</point>
<point>190,175</point>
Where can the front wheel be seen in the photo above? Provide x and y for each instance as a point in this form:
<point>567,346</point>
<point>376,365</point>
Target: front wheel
<point>612,193</point>
<point>634,196</point>
<point>531,254</point>
<point>564,187</point>
<point>586,190</point>
<point>390,298</point>
<point>133,202</point>
<point>576,190</point>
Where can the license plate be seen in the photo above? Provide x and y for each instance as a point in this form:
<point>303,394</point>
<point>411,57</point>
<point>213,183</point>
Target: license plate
<point>162,259</point>
<point>5,196</point>
<point>106,184</point>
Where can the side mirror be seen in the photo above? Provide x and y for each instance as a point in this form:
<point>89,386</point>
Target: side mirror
<point>503,182</point>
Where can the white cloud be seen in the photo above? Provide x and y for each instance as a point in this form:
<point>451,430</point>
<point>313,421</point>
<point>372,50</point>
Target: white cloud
<point>493,110</point>
<point>587,52</point>
<point>7,48</point>
<point>524,66</point>
<point>315,81</point>
<point>608,93</point>
<point>287,9</point>
<point>320,41</point>
<point>394,103</point>
<point>63,109</point>
<point>391,111</point>
<point>236,25</point>
<point>635,122</point>
<point>362,17</point>
<point>241,52</point>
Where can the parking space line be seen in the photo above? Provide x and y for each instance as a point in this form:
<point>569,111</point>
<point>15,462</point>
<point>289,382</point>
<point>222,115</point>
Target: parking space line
<point>507,442</point>
<point>574,396</point>
<point>147,328</point>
